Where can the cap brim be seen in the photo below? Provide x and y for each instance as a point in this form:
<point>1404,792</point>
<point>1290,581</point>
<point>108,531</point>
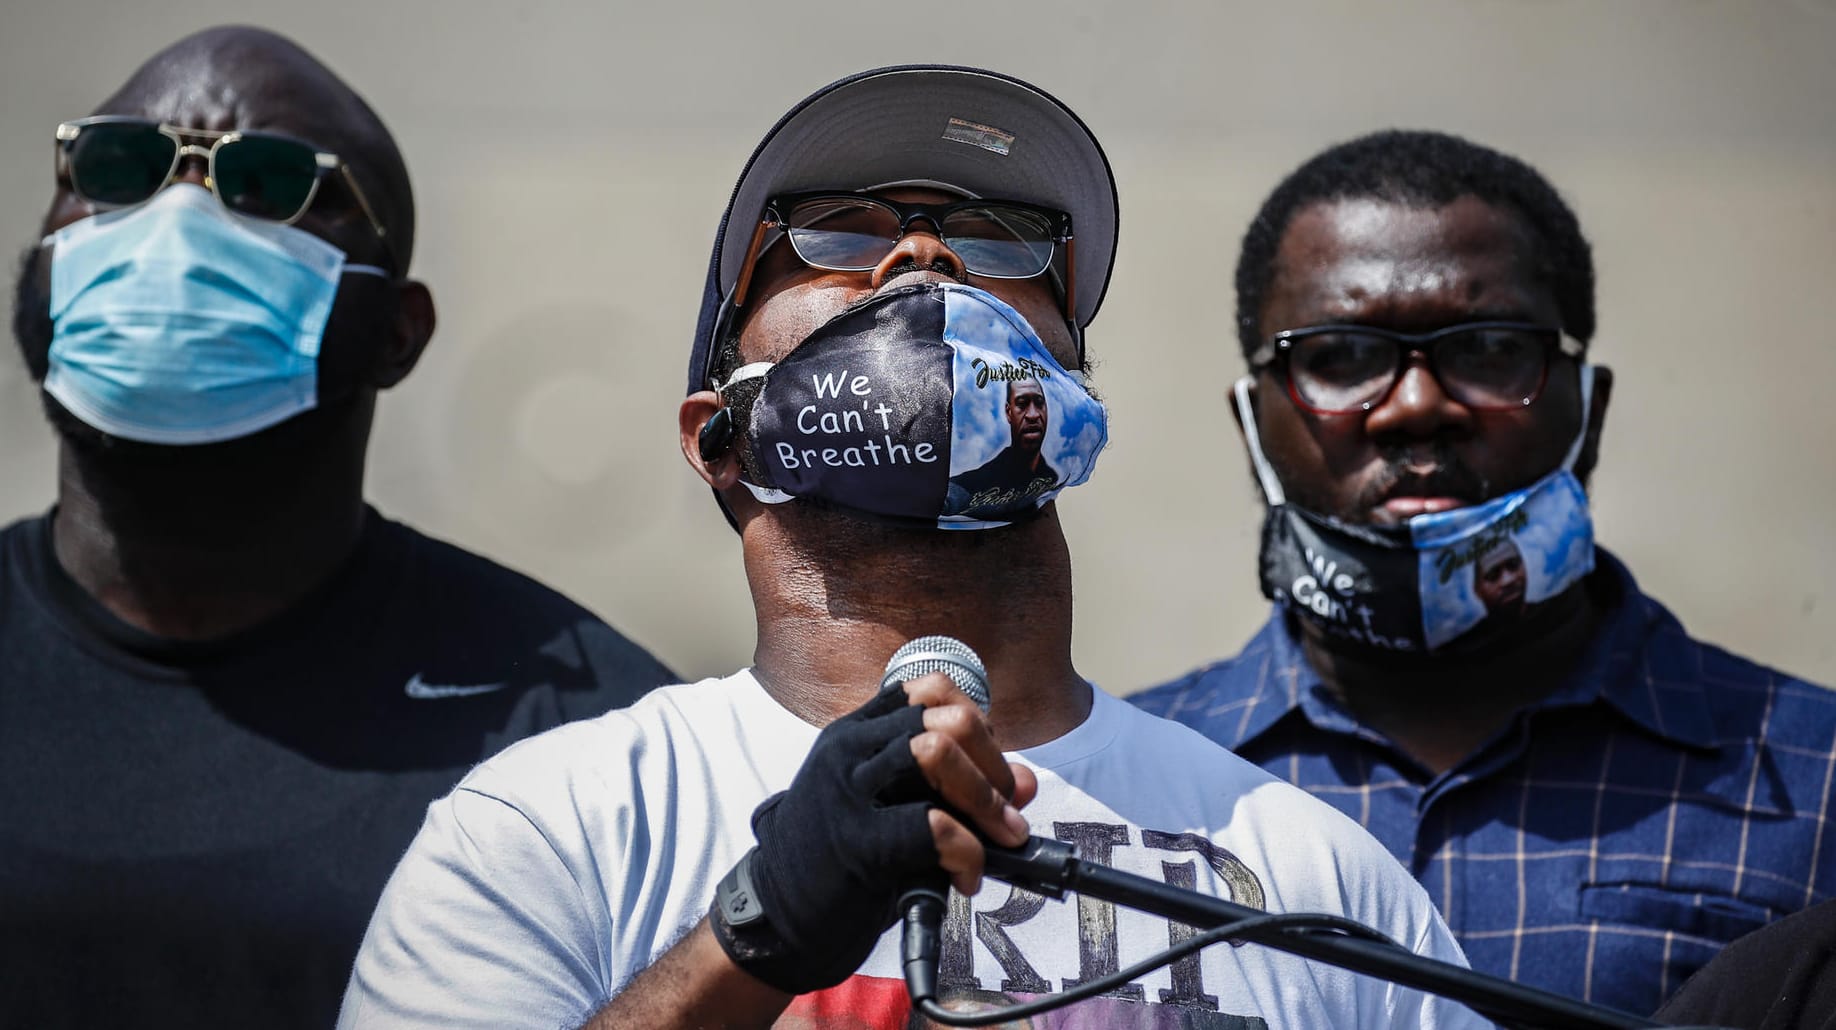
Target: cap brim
<point>989,134</point>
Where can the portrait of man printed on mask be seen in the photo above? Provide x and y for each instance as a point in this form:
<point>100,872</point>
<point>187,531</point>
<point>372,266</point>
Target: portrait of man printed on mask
<point>732,851</point>
<point>1597,800</point>
<point>1499,580</point>
<point>1020,471</point>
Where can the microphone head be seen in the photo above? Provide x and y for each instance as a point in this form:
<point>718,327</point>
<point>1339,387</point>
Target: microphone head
<point>947,655</point>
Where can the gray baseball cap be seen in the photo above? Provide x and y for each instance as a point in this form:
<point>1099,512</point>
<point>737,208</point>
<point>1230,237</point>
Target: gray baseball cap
<point>983,133</point>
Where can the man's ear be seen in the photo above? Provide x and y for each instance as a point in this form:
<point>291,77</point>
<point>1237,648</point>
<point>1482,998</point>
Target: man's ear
<point>409,331</point>
<point>700,430</point>
<point>1596,419</point>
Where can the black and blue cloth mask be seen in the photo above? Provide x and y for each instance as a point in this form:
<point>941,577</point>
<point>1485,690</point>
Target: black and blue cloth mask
<point>1419,587</point>
<point>934,404</point>
<point>178,321</point>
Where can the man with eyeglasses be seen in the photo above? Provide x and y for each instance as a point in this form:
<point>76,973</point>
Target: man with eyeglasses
<point>1596,801</point>
<point>731,852</point>
<point>228,687</point>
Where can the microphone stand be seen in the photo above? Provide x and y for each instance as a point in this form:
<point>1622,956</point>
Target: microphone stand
<point>1051,868</point>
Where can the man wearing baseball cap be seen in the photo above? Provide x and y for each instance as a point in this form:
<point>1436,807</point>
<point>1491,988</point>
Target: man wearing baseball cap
<point>902,246</point>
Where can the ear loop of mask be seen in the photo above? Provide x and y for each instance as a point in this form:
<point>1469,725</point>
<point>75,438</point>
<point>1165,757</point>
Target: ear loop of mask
<point>755,370</point>
<point>1587,418</point>
<point>1271,484</point>
<point>1265,474</point>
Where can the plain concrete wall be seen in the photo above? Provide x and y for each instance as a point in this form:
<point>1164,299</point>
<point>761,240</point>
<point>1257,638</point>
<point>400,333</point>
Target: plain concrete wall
<point>571,160</point>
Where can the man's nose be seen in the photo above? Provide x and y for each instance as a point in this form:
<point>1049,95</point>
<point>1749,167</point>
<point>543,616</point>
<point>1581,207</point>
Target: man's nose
<point>1418,407</point>
<point>925,249</point>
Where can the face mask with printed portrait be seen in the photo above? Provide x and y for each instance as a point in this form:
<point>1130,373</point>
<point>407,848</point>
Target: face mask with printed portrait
<point>934,404</point>
<point>1421,586</point>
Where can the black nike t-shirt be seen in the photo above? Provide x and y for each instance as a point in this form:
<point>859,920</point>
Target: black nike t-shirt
<point>194,835</point>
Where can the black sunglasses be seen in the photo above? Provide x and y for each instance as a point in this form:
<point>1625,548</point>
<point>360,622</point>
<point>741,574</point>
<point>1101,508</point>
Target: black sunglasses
<point>1486,366</point>
<point>116,161</point>
<point>852,232</point>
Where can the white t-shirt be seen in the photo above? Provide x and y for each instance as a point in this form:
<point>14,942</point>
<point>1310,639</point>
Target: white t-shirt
<point>564,865</point>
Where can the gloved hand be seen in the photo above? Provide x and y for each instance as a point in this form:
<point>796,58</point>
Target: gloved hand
<point>804,909</point>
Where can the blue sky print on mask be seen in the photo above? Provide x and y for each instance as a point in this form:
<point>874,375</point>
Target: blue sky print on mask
<point>994,346</point>
<point>1493,559</point>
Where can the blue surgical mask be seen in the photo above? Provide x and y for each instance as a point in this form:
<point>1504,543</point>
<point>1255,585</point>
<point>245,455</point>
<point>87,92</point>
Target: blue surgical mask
<point>1421,586</point>
<point>934,404</point>
<point>180,322</point>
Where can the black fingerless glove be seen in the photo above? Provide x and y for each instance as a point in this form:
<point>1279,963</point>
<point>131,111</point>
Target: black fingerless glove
<point>804,909</point>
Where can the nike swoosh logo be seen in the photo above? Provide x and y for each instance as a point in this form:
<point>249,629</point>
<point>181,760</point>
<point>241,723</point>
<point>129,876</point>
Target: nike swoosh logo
<point>421,689</point>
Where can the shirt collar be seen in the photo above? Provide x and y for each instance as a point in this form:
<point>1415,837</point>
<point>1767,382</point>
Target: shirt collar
<point>1629,656</point>
<point>1635,636</point>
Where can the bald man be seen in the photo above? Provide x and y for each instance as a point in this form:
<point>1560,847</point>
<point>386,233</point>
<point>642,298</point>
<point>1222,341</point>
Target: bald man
<point>228,686</point>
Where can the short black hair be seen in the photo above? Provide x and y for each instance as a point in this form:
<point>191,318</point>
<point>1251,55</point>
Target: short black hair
<point>1427,169</point>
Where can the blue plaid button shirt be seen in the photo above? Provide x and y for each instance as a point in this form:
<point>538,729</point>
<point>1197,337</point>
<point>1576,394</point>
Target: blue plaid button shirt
<point>1667,798</point>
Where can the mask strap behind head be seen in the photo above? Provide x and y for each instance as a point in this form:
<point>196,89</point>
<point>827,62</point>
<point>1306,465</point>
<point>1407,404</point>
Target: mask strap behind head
<point>1587,417</point>
<point>741,374</point>
<point>1265,473</point>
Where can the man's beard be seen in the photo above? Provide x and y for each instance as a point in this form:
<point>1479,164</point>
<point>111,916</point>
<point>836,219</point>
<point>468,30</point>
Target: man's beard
<point>845,535</point>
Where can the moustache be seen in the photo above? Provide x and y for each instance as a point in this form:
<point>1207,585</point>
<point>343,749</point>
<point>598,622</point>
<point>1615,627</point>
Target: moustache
<point>1407,472</point>
<point>939,266</point>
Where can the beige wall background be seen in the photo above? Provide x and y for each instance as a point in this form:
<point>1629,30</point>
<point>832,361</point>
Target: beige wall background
<point>571,160</point>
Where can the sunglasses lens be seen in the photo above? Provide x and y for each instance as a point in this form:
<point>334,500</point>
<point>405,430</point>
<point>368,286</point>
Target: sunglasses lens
<point>841,233</point>
<point>120,162</point>
<point>266,176</point>
<point>1000,241</point>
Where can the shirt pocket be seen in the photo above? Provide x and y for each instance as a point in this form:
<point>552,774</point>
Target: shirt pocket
<point>1701,914</point>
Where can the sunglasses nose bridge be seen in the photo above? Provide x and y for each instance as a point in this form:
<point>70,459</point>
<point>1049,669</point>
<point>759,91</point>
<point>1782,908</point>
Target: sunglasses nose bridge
<point>191,163</point>
<point>922,250</point>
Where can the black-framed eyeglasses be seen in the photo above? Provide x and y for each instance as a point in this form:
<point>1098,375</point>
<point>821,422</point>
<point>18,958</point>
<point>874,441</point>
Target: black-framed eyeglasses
<point>1486,366</point>
<point>853,232</point>
<point>119,160</point>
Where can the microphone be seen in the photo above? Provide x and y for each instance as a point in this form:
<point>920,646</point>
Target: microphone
<point>924,904</point>
<point>1053,868</point>
<point>947,655</point>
